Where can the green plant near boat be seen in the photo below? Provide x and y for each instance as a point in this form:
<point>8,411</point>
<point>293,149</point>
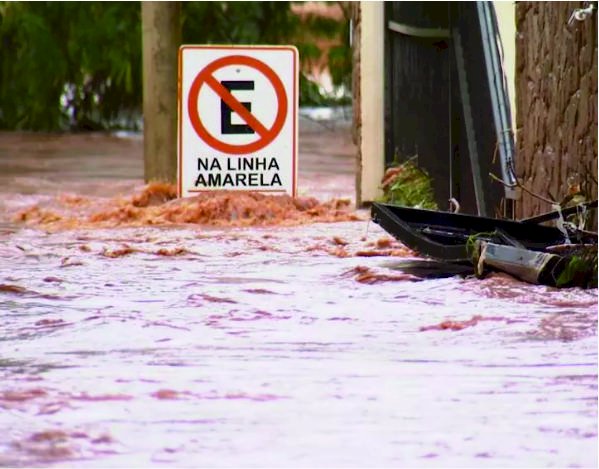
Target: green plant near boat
<point>581,269</point>
<point>408,185</point>
<point>581,261</point>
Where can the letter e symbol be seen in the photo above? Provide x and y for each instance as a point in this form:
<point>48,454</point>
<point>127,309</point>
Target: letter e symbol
<point>226,127</point>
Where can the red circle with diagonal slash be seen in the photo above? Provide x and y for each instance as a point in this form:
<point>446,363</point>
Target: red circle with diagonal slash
<point>206,77</point>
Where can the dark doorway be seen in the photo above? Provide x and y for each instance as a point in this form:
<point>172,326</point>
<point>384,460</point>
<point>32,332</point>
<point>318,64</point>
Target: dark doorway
<point>435,86</point>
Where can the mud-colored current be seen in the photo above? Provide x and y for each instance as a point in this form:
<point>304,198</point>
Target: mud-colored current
<point>285,335</point>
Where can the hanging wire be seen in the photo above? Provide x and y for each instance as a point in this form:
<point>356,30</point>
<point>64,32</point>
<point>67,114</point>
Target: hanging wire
<point>450,94</point>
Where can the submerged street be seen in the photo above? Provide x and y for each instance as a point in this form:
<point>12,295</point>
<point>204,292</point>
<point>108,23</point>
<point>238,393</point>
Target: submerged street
<point>290,339</point>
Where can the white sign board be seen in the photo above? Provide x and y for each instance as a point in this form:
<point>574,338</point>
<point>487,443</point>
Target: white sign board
<point>237,119</point>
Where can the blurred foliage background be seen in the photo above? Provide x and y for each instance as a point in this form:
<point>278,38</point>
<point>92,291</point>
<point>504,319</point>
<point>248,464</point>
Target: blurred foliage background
<point>78,66</point>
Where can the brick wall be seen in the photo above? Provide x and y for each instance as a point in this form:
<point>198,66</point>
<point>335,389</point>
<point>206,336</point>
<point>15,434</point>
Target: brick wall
<point>556,95</point>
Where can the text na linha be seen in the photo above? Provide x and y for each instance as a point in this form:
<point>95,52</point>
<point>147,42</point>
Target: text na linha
<point>238,172</point>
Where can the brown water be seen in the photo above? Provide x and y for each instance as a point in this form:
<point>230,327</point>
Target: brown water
<point>289,342</point>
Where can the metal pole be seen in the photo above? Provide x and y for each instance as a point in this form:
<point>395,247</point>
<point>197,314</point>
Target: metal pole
<point>477,177</point>
<point>498,96</point>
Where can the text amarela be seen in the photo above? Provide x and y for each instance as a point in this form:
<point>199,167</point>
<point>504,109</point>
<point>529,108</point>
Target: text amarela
<point>238,172</point>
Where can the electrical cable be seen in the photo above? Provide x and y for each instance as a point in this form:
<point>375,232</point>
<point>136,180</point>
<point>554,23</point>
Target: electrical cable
<point>450,114</point>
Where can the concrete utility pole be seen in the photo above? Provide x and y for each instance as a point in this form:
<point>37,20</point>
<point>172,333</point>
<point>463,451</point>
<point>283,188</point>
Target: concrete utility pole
<point>161,37</point>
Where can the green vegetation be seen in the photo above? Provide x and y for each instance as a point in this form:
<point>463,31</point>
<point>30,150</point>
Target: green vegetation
<point>581,270</point>
<point>408,185</point>
<point>87,53</point>
<point>580,261</point>
<point>77,65</point>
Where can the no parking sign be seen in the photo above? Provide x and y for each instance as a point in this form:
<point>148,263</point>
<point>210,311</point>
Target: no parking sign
<point>237,119</point>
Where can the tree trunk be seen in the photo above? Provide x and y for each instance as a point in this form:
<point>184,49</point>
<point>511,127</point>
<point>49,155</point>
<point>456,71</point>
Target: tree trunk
<point>161,37</point>
<point>356,19</point>
<point>556,94</point>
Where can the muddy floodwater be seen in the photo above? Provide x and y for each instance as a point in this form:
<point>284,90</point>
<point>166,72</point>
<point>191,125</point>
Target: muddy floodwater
<point>290,339</point>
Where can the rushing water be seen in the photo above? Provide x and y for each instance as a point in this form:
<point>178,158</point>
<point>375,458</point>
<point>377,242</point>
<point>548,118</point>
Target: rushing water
<point>188,345</point>
<point>260,347</point>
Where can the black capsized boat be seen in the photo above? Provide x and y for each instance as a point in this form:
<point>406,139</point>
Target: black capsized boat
<point>451,237</point>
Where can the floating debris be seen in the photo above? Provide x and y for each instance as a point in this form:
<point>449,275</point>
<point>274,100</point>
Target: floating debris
<point>562,257</point>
